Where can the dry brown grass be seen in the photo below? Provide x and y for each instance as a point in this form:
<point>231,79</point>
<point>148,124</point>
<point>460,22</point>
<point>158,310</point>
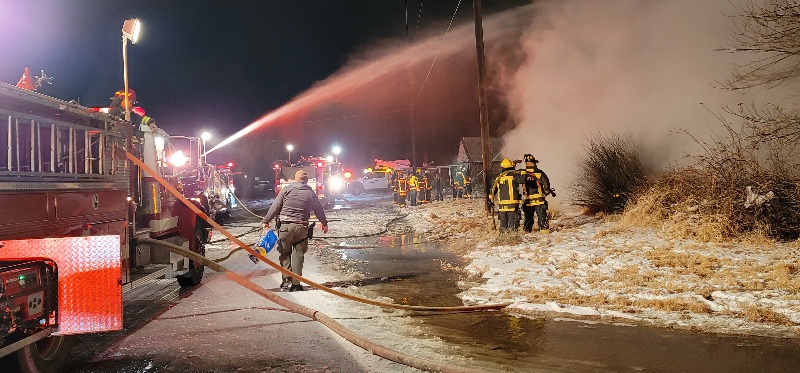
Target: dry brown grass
<point>683,263</point>
<point>631,275</point>
<point>507,239</point>
<point>784,276</point>
<point>765,315</point>
<point>673,305</point>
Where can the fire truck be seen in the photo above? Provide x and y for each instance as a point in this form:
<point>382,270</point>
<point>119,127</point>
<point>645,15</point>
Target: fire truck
<point>212,186</point>
<point>325,176</point>
<point>73,208</point>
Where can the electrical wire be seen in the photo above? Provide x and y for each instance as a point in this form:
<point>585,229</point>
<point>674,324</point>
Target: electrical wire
<point>438,50</point>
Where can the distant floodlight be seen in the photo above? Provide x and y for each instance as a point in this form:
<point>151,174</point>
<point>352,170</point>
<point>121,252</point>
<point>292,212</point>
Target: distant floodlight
<point>337,150</point>
<point>329,158</point>
<point>290,147</point>
<point>178,159</point>
<point>159,142</point>
<point>205,136</point>
<point>131,29</point>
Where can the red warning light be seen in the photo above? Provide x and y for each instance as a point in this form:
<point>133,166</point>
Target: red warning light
<point>276,166</point>
<point>319,164</point>
<point>348,174</point>
<point>230,164</point>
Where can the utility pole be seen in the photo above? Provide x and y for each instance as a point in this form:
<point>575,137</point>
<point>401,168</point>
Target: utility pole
<point>486,142</point>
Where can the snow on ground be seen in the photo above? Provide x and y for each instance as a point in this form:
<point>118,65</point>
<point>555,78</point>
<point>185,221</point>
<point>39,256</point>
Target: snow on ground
<point>588,269</point>
<point>595,269</point>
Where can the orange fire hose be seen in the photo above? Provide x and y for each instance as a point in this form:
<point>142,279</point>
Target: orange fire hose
<point>272,264</point>
<point>338,328</point>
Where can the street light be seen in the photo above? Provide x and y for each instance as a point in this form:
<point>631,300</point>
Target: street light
<point>336,150</point>
<point>205,136</point>
<point>290,147</point>
<point>131,29</point>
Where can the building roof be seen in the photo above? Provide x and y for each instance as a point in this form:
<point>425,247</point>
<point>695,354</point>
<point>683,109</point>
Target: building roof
<point>470,150</point>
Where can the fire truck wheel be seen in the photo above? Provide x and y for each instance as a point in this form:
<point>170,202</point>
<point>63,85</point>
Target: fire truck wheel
<point>45,356</point>
<point>195,273</point>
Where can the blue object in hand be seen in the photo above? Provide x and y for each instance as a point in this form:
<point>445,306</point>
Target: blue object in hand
<point>265,244</point>
<point>269,240</point>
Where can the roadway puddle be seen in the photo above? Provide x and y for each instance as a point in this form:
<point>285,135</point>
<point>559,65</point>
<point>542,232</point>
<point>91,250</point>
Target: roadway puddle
<point>406,268</point>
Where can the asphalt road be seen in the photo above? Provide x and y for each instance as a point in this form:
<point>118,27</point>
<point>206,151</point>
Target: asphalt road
<point>221,327</point>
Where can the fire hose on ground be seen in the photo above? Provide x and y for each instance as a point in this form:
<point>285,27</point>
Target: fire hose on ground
<point>406,359</point>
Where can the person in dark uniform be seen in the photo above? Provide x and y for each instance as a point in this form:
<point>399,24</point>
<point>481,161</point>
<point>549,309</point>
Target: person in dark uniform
<point>293,207</point>
<point>537,187</point>
<point>506,189</point>
<point>438,185</point>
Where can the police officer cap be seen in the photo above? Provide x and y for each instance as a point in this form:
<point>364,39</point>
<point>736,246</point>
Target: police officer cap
<point>300,176</point>
<point>530,159</point>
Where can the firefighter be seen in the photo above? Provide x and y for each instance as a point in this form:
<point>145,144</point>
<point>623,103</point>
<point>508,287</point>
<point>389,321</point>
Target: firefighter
<point>506,189</point>
<point>537,186</point>
<point>393,187</point>
<point>458,185</point>
<point>413,188</point>
<point>468,186</point>
<point>401,184</point>
<point>426,184</point>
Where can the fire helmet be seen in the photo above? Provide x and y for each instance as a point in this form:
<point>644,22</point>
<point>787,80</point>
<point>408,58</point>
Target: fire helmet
<point>507,163</point>
<point>529,158</point>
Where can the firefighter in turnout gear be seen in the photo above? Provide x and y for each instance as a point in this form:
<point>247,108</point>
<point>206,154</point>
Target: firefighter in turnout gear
<point>537,186</point>
<point>467,186</point>
<point>458,184</point>
<point>506,189</point>
<point>426,186</point>
<point>413,188</point>
<point>401,188</point>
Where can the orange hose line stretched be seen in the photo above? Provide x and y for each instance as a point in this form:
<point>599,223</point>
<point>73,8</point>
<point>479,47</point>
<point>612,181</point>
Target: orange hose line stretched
<point>272,264</point>
<point>335,326</point>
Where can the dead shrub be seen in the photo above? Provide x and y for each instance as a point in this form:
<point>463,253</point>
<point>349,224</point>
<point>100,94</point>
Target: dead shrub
<point>608,173</point>
<point>745,182</point>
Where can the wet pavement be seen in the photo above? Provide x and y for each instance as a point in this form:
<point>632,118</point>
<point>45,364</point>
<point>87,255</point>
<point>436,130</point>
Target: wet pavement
<point>416,272</point>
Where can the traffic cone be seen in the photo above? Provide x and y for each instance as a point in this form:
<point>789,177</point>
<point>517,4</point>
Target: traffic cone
<point>25,82</point>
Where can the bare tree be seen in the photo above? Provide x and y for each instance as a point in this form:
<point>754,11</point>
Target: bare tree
<point>770,29</point>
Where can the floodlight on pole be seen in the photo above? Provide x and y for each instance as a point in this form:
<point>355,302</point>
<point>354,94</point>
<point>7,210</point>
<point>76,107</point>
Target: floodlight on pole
<point>289,148</point>
<point>336,150</point>
<point>131,29</point>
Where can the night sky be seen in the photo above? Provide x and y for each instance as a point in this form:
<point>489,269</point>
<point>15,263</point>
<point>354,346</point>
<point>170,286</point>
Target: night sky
<point>219,65</point>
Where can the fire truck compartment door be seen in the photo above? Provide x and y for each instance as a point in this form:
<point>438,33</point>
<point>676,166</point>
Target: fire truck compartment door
<point>89,289</point>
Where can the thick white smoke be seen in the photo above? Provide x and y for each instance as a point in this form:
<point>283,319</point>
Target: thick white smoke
<point>628,66</point>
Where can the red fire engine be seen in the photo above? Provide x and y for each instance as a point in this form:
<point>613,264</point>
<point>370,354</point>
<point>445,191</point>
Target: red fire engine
<point>324,175</point>
<point>73,206</point>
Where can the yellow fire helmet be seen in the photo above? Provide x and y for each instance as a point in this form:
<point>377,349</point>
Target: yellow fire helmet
<point>506,163</point>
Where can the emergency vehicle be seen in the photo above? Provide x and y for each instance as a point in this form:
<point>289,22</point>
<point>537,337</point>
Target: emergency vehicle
<point>378,178</point>
<point>325,176</point>
<point>73,207</point>
<point>212,186</point>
